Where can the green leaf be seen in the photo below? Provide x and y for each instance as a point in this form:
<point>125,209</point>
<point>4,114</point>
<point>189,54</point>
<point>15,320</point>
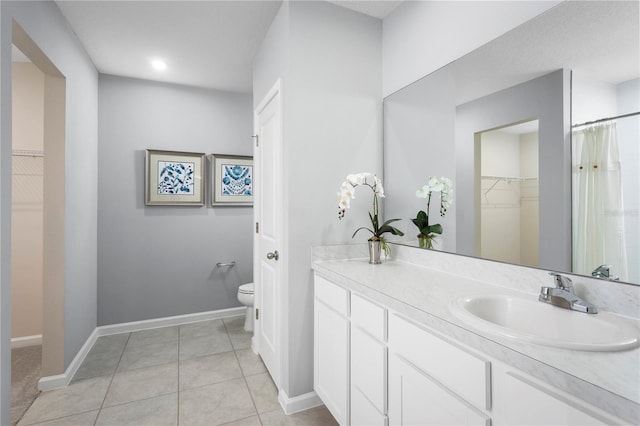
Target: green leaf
<point>421,221</point>
<point>374,222</point>
<point>389,221</point>
<point>434,229</point>
<point>396,231</point>
<point>388,228</point>
<point>361,228</point>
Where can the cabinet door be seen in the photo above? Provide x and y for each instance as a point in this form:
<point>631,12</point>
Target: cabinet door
<point>466,374</point>
<point>416,399</point>
<point>522,400</point>
<point>363,413</point>
<point>369,368</point>
<point>331,361</point>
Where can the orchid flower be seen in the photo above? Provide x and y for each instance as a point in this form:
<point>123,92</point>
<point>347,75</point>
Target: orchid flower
<point>441,185</point>
<point>347,192</point>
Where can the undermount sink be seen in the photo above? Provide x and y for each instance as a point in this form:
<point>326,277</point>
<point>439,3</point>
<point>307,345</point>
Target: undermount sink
<point>532,321</point>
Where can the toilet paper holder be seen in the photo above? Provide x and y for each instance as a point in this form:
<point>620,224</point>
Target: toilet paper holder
<point>223,264</point>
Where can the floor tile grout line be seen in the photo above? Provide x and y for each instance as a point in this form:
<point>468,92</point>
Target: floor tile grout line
<point>242,375</point>
<point>57,418</point>
<point>239,420</point>
<point>115,371</point>
<point>138,400</point>
<point>255,407</point>
<point>211,384</point>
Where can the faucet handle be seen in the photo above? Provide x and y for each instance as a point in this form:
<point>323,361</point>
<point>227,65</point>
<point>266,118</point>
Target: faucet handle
<point>561,281</point>
<point>601,271</point>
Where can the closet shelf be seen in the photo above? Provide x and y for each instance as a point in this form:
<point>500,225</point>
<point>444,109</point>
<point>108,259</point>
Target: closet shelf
<point>508,179</point>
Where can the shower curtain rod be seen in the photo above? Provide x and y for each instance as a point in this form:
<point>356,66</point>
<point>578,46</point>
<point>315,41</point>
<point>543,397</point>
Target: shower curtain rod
<point>631,114</point>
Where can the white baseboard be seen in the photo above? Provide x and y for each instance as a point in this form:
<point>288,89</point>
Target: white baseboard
<point>298,403</point>
<point>23,342</point>
<point>62,380</point>
<point>128,327</point>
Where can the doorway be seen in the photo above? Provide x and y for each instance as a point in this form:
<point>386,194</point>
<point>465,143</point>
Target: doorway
<point>38,207</point>
<point>27,158</point>
<point>509,219</point>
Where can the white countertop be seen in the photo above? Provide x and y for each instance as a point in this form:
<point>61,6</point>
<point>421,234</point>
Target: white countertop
<point>609,380</point>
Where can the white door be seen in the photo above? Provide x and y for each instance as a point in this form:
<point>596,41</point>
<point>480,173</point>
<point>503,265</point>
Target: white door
<point>268,210</point>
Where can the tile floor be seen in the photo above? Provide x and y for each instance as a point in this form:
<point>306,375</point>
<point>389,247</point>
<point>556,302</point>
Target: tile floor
<point>195,374</point>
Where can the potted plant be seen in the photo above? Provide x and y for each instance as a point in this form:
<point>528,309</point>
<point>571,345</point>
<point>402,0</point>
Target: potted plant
<point>428,233</point>
<point>377,230</point>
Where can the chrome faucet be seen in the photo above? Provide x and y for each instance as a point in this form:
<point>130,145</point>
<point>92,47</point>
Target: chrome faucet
<point>603,272</point>
<point>562,295</point>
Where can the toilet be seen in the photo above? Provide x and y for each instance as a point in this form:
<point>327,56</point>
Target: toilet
<point>245,296</point>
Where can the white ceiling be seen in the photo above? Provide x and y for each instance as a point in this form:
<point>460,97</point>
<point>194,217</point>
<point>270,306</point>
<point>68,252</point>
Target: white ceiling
<point>204,43</point>
<point>599,39</point>
<point>211,43</point>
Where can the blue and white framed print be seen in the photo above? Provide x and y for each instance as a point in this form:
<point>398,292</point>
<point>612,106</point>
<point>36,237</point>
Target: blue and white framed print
<point>232,180</point>
<point>174,178</point>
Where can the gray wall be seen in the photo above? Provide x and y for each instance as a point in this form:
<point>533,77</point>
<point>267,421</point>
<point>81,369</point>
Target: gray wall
<point>329,59</point>
<point>420,37</point>
<point>159,261</point>
<point>419,142</point>
<point>426,135</point>
<point>47,27</point>
<point>546,98</point>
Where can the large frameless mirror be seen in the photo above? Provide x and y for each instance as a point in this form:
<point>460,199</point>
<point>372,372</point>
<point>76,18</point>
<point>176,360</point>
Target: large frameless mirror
<point>578,62</point>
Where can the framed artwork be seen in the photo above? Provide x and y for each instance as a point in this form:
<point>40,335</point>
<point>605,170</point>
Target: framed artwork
<point>231,180</point>
<point>174,178</point>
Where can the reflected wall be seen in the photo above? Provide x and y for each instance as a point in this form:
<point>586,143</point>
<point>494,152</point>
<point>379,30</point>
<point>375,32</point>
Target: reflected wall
<point>525,74</point>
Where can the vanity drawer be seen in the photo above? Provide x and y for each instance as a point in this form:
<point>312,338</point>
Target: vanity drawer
<point>464,373</point>
<point>369,368</point>
<point>369,316</point>
<point>337,298</point>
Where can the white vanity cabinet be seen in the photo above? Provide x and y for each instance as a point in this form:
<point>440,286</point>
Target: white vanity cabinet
<point>350,355</point>
<point>523,400</point>
<point>374,366</point>
<point>433,381</point>
<point>415,398</point>
<point>331,347</point>
<point>368,363</point>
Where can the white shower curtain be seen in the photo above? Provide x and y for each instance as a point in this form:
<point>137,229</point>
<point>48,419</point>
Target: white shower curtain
<point>598,219</point>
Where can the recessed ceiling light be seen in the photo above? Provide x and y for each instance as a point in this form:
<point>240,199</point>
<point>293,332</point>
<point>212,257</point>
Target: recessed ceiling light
<point>159,65</point>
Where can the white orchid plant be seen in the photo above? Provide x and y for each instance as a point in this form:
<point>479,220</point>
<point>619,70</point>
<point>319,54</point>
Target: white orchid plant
<point>347,193</point>
<point>441,185</point>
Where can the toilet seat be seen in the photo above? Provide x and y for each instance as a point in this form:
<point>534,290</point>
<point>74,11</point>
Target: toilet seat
<point>246,288</point>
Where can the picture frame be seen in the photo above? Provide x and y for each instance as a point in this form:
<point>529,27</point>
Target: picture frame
<point>232,181</point>
<point>174,178</point>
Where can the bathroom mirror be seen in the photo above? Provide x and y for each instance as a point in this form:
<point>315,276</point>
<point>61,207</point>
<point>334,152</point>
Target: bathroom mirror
<point>577,62</point>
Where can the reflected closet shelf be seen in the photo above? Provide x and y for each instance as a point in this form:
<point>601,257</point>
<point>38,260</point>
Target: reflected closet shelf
<point>508,179</point>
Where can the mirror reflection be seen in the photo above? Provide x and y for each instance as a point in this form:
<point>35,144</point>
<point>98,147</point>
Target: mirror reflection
<point>578,62</point>
<point>509,194</point>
